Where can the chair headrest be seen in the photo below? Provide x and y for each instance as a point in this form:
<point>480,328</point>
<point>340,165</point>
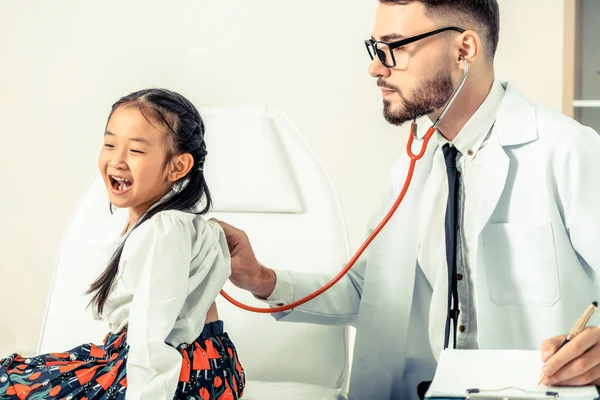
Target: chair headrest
<point>249,161</point>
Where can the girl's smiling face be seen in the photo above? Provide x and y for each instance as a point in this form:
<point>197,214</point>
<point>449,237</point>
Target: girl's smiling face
<point>133,161</point>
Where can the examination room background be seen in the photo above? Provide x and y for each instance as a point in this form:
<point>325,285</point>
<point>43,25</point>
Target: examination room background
<point>63,63</point>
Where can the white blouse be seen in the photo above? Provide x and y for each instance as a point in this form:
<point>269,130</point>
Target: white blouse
<point>171,270</point>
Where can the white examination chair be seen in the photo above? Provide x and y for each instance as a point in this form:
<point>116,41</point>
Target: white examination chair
<point>265,180</point>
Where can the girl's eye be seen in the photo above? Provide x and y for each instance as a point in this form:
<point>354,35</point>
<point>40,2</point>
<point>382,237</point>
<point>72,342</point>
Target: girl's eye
<point>110,146</point>
<point>137,151</point>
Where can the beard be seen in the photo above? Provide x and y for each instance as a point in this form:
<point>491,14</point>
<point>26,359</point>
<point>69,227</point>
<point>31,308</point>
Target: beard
<point>427,97</point>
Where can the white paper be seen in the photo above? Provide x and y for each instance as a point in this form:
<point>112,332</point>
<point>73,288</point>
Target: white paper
<point>501,372</point>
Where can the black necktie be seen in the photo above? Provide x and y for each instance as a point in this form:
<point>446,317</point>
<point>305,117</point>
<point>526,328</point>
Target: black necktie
<point>450,224</point>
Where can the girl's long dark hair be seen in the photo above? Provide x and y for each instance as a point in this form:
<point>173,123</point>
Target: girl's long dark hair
<point>186,130</point>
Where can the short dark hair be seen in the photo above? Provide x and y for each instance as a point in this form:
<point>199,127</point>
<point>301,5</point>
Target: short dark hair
<point>484,13</point>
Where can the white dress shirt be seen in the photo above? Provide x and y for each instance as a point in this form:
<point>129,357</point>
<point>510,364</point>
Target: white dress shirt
<point>171,270</point>
<point>432,257</point>
<point>469,142</point>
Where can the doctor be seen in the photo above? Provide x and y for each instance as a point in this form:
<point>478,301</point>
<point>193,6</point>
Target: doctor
<point>506,198</point>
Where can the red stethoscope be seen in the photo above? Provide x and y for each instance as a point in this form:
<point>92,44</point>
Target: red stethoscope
<point>411,169</point>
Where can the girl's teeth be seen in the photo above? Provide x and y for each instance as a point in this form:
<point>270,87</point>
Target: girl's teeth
<point>120,186</point>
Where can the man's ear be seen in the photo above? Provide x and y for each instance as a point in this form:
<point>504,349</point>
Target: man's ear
<point>470,47</point>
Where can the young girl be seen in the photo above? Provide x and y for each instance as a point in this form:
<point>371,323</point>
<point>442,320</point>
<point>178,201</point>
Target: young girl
<point>157,293</point>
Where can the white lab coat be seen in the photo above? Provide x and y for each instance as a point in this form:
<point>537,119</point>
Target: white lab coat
<point>538,253</point>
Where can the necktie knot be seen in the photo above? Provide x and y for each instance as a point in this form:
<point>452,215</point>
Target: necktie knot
<point>450,153</point>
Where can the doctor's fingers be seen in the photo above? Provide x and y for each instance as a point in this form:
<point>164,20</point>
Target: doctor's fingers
<point>575,358</point>
<point>233,234</point>
<point>590,376</point>
<point>240,249</point>
<point>550,346</point>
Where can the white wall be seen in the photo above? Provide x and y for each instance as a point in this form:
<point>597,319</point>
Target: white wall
<point>590,64</point>
<point>530,53</point>
<point>63,63</point>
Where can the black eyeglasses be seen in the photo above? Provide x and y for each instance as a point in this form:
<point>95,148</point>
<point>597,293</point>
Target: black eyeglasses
<point>384,50</point>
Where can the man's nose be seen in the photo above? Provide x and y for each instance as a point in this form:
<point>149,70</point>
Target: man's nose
<point>377,69</point>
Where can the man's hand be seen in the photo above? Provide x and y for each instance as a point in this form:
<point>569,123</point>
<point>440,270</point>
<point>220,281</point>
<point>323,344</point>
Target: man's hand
<point>576,363</point>
<point>246,272</point>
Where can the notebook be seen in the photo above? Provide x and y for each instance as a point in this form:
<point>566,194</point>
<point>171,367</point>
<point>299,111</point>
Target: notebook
<point>505,374</point>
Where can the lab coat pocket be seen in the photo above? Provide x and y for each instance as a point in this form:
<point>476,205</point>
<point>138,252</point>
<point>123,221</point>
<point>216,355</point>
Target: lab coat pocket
<point>521,266</point>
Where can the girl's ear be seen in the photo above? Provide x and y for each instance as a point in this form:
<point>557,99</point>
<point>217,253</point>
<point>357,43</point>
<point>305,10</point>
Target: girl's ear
<point>180,166</point>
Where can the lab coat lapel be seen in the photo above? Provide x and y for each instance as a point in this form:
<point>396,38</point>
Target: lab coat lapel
<point>430,192</point>
<point>515,124</point>
<point>492,179</point>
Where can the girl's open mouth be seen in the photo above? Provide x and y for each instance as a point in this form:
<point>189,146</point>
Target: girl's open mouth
<point>119,185</point>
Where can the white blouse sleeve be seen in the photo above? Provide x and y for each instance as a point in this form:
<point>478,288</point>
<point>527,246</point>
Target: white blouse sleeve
<point>161,250</point>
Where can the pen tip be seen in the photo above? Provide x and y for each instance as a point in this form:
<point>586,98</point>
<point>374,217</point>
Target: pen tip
<point>595,303</point>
